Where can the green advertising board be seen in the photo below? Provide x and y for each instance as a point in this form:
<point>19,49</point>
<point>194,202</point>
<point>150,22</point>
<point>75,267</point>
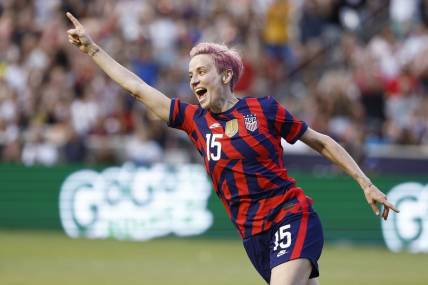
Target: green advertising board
<point>140,203</point>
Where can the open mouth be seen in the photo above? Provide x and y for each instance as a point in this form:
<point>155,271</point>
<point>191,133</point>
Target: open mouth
<point>200,91</point>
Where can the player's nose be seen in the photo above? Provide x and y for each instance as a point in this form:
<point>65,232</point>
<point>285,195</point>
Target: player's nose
<point>194,81</point>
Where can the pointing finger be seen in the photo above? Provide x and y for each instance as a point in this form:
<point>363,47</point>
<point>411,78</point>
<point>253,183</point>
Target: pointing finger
<point>75,22</point>
<point>72,32</point>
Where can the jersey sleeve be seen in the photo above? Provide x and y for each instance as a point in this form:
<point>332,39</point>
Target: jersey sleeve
<point>285,124</point>
<point>181,115</point>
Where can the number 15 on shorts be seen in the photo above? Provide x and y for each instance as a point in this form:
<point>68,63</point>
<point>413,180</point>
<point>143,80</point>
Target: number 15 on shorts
<point>282,238</point>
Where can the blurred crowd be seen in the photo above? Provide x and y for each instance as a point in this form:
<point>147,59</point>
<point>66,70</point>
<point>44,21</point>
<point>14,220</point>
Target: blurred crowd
<point>354,69</point>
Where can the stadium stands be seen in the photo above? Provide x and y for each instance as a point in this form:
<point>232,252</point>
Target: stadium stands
<point>353,69</point>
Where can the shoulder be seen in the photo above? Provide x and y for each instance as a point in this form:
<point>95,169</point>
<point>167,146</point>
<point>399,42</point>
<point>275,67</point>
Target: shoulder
<point>178,105</point>
<point>183,114</point>
<point>267,101</point>
<point>259,99</point>
<point>264,102</point>
<point>268,104</point>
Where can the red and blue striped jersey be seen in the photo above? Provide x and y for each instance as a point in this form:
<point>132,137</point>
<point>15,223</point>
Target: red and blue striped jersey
<point>243,156</point>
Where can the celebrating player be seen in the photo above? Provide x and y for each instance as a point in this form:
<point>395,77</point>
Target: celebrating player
<point>240,143</point>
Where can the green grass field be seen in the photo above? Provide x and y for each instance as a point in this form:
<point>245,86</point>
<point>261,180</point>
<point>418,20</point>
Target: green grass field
<point>45,258</point>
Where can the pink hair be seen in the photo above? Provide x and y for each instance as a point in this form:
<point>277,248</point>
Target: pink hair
<point>224,59</point>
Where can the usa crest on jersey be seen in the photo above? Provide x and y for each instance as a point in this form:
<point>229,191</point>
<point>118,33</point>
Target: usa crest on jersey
<point>250,122</point>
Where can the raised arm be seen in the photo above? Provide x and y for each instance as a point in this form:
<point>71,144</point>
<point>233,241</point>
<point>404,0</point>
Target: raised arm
<point>155,100</point>
<point>338,155</point>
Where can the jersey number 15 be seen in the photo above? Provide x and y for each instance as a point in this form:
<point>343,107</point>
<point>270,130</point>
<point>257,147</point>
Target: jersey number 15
<point>215,145</point>
<point>282,238</point>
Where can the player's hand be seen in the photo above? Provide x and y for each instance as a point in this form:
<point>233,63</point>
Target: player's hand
<point>78,35</point>
<point>375,196</point>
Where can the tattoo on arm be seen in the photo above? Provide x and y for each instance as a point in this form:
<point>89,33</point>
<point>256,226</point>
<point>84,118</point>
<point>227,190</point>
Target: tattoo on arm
<point>93,51</point>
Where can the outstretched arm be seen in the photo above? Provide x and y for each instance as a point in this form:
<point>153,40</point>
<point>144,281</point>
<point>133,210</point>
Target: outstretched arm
<point>338,155</point>
<point>155,100</point>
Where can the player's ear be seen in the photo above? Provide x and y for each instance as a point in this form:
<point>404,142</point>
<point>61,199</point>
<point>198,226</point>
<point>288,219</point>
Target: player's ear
<point>227,76</point>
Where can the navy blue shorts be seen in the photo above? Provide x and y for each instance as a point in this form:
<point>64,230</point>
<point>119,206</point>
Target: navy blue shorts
<point>296,236</point>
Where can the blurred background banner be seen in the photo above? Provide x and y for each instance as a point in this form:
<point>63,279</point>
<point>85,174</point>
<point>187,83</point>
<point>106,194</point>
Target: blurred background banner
<point>116,202</point>
<point>408,231</point>
<point>140,203</point>
<point>136,203</point>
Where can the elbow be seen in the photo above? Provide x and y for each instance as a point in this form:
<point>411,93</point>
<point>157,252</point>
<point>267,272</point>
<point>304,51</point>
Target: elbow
<point>324,143</point>
<point>332,147</point>
<point>133,86</point>
<point>328,142</point>
<point>318,141</point>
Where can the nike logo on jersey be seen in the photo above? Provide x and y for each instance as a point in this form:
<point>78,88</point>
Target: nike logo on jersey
<point>215,125</point>
<point>281,252</point>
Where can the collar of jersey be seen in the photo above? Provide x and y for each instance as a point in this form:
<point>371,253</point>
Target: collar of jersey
<point>227,112</point>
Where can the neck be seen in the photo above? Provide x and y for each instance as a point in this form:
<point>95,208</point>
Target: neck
<point>224,103</point>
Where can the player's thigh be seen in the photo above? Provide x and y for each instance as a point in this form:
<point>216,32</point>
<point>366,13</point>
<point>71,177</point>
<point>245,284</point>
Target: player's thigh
<point>293,272</point>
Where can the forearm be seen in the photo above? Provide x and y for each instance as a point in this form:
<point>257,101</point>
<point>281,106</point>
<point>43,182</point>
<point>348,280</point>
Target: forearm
<point>155,100</point>
<point>340,157</point>
<point>122,76</point>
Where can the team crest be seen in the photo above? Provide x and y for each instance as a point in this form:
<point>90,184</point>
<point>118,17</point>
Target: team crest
<point>231,128</point>
<point>250,122</point>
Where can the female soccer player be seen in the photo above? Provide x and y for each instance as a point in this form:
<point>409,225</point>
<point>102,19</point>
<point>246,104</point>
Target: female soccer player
<point>240,143</point>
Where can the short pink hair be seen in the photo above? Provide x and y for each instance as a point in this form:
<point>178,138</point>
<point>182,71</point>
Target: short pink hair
<point>224,59</point>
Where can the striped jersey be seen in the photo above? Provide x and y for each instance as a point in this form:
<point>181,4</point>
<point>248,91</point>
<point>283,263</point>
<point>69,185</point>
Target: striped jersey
<point>242,153</point>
